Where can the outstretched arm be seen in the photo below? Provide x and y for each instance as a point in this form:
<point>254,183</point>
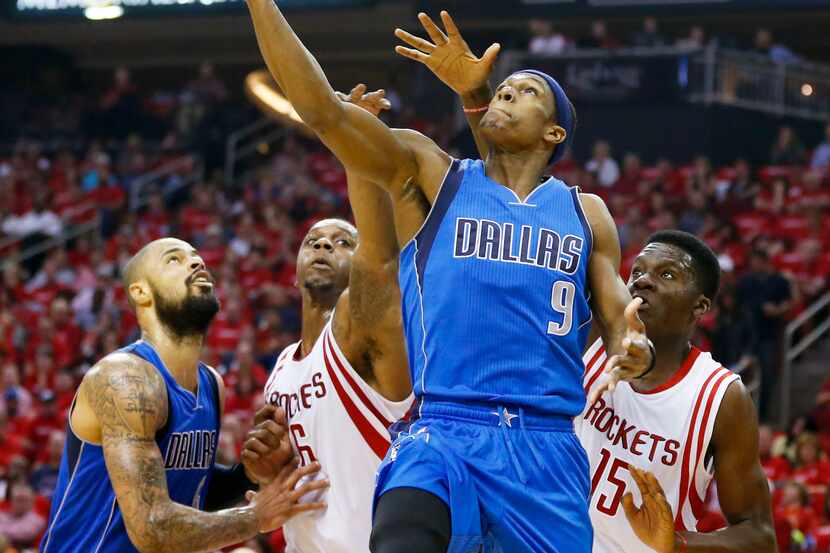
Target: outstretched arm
<point>743,491</point>
<point>623,333</point>
<point>367,321</point>
<point>363,143</point>
<point>128,399</point>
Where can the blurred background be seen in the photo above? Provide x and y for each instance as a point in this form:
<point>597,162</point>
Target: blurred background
<point>123,121</point>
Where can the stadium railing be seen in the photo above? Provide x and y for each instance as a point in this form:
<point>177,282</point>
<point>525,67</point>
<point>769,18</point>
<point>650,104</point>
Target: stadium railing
<point>810,326</point>
<point>168,178</point>
<point>711,75</point>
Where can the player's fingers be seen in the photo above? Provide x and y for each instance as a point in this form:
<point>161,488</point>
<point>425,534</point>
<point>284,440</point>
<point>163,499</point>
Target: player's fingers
<point>632,317</point>
<point>436,34</point>
<point>307,488</point>
<point>343,97</point>
<point>280,417</point>
<point>411,54</point>
<point>637,476</point>
<point>255,444</point>
<point>302,472</point>
<point>305,507</point>
<point>357,92</point>
<point>250,495</point>
<point>266,436</point>
<point>490,55</point>
<point>286,471</point>
<point>249,455</point>
<point>630,509</point>
<point>449,25</point>
<point>272,428</point>
<point>415,41</point>
<point>264,413</point>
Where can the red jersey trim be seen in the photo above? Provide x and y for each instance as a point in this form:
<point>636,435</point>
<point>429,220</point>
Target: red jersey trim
<point>376,442</point>
<point>386,423</point>
<point>684,476</point>
<point>590,364</point>
<point>694,499</point>
<point>677,376</point>
<point>599,370</point>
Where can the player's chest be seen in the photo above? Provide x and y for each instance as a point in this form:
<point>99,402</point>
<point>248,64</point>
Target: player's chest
<point>645,433</point>
<point>301,391</point>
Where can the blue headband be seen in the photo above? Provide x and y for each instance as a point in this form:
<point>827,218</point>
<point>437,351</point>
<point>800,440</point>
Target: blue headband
<point>564,115</point>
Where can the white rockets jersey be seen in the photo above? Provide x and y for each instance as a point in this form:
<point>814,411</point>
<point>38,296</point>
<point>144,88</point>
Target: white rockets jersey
<point>665,431</point>
<point>337,419</point>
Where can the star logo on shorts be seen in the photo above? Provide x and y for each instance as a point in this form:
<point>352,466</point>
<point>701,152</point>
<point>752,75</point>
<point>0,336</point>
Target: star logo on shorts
<point>505,417</point>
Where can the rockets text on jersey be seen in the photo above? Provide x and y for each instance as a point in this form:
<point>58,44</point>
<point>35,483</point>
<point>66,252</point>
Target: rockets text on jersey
<point>338,420</point>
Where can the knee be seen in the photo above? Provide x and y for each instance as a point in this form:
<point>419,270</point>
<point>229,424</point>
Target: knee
<point>408,520</point>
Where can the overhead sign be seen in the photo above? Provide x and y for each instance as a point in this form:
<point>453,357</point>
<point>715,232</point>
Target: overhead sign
<point>46,8</point>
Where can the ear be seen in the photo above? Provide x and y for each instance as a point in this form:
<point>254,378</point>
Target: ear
<point>555,134</point>
<point>139,292</point>
<point>702,306</point>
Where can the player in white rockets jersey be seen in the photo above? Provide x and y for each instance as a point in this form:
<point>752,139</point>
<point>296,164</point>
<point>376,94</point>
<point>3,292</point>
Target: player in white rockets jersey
<point>347,380</point>
<point>686,422</point>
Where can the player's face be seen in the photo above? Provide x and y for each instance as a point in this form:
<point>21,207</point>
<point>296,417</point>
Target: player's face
<point>521,115</point>
<point>325,257</point>
<point>182,287</point>
<point>663,276</point>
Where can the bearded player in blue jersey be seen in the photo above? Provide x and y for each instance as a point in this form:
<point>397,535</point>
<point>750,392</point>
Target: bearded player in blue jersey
<point>500,270</point>
<point>138,465</point>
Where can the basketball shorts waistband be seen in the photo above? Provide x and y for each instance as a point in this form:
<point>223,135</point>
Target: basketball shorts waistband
<point>495,415</point>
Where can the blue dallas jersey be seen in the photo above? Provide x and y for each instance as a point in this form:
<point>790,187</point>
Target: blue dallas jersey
<point>85,517</point>
<point>495,295</point>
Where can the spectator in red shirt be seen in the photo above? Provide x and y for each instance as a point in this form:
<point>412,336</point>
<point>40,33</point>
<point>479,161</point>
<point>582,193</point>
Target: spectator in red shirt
<point>22,524</point>
<point>599,37</point>
<point>228,327</point>
<point>810,468</point>
<point>45,476</point>
<point>47,420</point>
<point>795,508</point>
<point>777,468</point>
<point>67,334</point>
<point>11,445</point>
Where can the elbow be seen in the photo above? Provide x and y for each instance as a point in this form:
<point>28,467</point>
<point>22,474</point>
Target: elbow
<point>322,116</point>
<point>147,536</point>
<point>767,540</point>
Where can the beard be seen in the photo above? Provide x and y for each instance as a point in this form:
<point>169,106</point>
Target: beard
<point>188,317</point>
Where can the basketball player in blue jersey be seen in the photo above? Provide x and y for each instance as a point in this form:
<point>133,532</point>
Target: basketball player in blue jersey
<point>495,271</point>
<point>138,464</point>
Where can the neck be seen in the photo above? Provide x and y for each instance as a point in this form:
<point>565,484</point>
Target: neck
<point>180,354</point>
<point>521,172</point>
<point>317,309</point>
<point>671,353</point>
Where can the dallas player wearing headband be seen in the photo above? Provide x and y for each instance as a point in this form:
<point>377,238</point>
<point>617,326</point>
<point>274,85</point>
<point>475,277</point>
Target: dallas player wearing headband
<point>714,433</point>
<point>495,270</point>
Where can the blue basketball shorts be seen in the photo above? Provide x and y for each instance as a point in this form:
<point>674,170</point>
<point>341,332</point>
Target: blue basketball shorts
<point>513,483</point>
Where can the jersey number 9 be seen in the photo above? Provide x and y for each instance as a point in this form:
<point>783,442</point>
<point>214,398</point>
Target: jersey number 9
<point>562,301</point>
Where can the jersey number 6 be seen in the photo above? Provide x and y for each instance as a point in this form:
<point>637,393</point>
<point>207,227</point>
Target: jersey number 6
<point>562,301</point>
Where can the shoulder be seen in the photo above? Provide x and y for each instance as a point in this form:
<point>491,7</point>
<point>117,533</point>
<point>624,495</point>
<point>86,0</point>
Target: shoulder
<point>220,386</point>
<point>594,207</point>
<point>121,368</point>
<point>126,390</point>
<point>736,423</point>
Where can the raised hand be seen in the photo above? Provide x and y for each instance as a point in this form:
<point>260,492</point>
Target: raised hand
<point>653,521</point>
<point>278,501</point>
<point>448,55</point>
<point>267,449</point>
<point>373,102</point>
<point>637,358</point>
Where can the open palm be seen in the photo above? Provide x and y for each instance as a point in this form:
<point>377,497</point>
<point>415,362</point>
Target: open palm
<point>653,521</point>
<point>448,56</point>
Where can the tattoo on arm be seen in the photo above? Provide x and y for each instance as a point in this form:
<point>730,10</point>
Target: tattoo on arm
<point>129,399</point>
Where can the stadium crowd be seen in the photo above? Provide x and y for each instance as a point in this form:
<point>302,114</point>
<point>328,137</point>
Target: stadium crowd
<point>63,308</point>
